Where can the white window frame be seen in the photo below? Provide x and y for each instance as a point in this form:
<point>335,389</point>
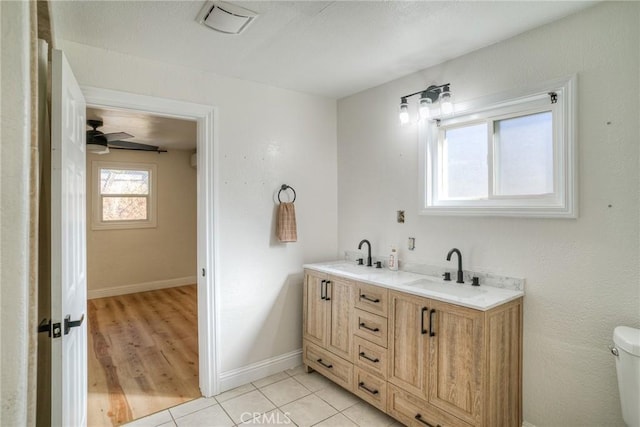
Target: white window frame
<point>97,222</point>
<point>562,203</point>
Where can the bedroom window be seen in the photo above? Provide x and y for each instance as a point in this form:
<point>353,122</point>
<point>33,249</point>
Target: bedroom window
<point>123,195</point>
<point>511,155</point>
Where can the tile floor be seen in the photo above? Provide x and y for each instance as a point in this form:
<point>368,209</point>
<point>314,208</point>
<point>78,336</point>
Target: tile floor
<point>289,398</point>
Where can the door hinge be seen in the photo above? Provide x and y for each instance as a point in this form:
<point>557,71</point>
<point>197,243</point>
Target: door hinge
<point>203,272</point>
<point>53,330</point>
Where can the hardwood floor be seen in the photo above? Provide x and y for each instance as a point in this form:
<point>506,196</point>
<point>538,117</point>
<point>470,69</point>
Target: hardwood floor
<point>142,355</point>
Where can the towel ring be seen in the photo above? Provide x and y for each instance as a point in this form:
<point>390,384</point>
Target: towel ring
<point>285,187</point>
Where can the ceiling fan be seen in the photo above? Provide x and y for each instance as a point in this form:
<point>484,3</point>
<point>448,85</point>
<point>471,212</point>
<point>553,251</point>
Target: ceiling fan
<point>100,143</point>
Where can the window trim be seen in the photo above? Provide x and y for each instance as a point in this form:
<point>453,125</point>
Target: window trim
<point>96,196</point>
<point>562,204</point>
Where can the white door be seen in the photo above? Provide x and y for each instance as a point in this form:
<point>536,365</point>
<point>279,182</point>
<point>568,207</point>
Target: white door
<point>68,248</point>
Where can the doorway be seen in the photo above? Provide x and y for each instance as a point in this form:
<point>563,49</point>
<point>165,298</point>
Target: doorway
<point>206,213</point>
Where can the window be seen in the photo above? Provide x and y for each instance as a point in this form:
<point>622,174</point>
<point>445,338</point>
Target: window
<point>510,155</point>
<point>123,195</point>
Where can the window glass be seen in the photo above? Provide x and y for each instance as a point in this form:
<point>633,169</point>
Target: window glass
<point>124,208</point>
<point>115,181</point>
<point>523,153</point>
<point>464,153</point>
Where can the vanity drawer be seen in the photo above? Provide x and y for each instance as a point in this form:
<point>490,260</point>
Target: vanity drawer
<point>370,357</point>
<point>371,327</point>
<point>373,299</point>
<point>415,412</point>
<point>370,388</point>
<point>331,366</point>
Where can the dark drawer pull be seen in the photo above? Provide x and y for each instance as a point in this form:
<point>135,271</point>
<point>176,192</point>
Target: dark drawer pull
<point>366,298</point>
<point>363,325</point>
<point>419,418</point>
<point>422,329</point>
<point>431,313</point>
<point>363,355</point>
<point>324,364</point>
<point>367,389</point>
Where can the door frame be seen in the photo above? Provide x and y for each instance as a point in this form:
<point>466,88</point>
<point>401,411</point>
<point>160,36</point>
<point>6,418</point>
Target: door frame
<point>207,213</point>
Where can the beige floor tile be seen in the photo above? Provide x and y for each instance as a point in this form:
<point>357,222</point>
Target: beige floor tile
<point>297,370</point>
<point>247,406</point>
<point>313,381</point>
<point>366,415</point>
<point>308,411</point>
<point>337,397</point>
<point>212,416</point>
<point>338,420</point>
<point>238,391</point>
<point>285,391</point>
<point>192,406</point>
<point>271,379</point>
<point>169,424</point>
<point>153,420</point>
<point>271,418</point>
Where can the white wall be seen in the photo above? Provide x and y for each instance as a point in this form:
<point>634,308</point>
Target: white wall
<point>15,134</point>
<point>267,136</point>
<point>582,275</point>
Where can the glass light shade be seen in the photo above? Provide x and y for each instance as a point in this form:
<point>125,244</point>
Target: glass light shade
<point>404,112</point>
<point>97,148</point>
<point>446,103</point>
<point>424,108</point>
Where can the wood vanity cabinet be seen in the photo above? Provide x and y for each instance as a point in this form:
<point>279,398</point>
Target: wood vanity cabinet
<point>430,363</point>
<point>327,320</point>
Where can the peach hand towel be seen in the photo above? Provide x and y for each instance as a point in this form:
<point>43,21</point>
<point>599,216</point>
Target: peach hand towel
<point>286,227</point>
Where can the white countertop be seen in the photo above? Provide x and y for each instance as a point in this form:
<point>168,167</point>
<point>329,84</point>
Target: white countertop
<point>481,297</point>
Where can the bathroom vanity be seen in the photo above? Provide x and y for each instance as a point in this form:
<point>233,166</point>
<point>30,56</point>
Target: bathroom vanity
<point>426,352</point>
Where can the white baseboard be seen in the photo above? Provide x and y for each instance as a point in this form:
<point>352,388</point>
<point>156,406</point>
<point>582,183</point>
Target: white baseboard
<point>255,371</point>
<point>140,287</point>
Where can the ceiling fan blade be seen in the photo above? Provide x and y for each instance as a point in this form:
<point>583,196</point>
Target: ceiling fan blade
<point>117,135</point>
<point>128,145</point>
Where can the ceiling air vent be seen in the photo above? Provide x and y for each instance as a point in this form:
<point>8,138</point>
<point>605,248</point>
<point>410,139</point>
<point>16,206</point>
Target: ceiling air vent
<point>225,18</point>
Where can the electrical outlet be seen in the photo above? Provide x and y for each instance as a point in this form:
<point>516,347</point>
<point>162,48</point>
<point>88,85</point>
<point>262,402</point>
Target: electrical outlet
<point>412,243</point>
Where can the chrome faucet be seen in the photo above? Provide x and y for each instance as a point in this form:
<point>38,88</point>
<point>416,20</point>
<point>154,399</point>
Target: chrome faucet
<point>368,252</point>
<point>456,251</point>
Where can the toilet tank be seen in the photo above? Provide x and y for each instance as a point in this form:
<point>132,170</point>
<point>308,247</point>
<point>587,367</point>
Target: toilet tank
<point>627,350</point>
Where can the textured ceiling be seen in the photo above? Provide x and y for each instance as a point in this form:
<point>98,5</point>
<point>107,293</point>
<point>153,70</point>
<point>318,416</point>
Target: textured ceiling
<point>166,132</point>
<point>332,49</point>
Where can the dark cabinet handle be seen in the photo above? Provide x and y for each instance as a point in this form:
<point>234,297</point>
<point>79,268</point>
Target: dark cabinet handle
<point>422,329</point>
<point>367,389</point>
<point>322,296</point>
<point>326,290</point>
<point>366,298</point>
<point>419,418</point>
<point>431,313</point>
<point>364,356</point>
<point>363,325</point>
<point>324,364</point>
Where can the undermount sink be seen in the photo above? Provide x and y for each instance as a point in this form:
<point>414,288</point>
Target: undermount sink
<point>354,268</point>
<point>450,289</point>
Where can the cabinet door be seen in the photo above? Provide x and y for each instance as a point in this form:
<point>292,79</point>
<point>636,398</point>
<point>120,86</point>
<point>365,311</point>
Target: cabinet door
<point>339,340</point>
<point>315,310</point>
<point>408,343</point>
<point>456,360</point>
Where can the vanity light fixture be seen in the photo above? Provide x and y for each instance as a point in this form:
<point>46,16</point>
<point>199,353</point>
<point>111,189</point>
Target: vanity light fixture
<point>432,97</point>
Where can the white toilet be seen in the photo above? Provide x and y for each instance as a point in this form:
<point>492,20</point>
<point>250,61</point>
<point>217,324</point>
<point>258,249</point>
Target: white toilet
<point>627,351</point>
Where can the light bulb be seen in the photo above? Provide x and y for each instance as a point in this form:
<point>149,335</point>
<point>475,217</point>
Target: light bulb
<point>424,107</point>
<point>446,103</point>
<point>404,111</point>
